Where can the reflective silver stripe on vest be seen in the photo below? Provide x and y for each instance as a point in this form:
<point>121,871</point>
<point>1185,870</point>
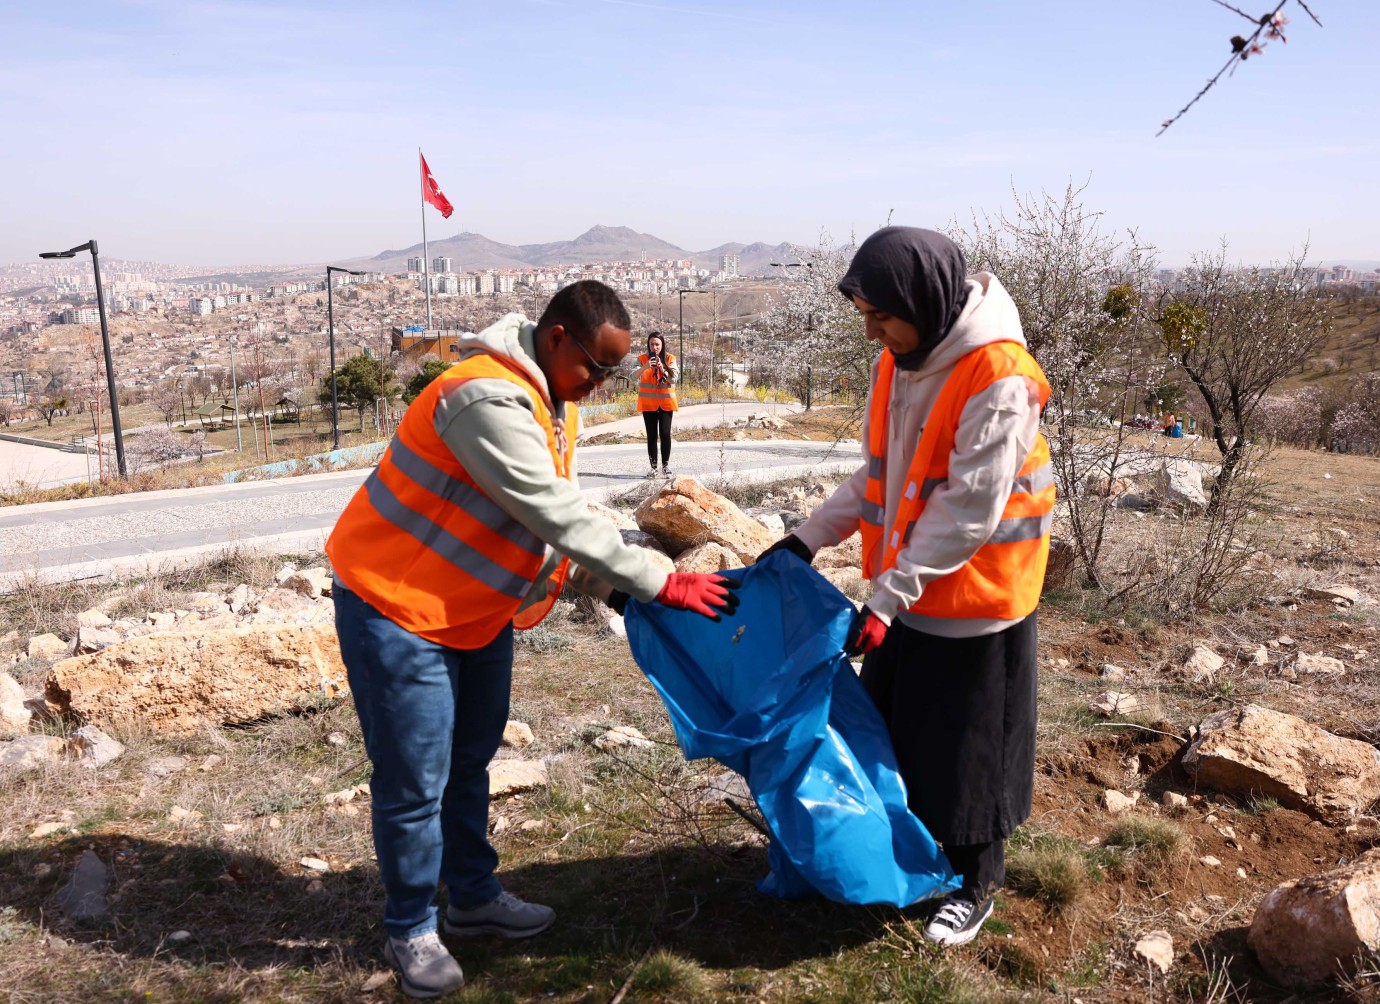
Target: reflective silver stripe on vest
<point>874,466</point>
<point>929,485</point>
<point>1036,481</point>
<point>871,513</point>
<point>443,542</point>
<point>1022,528</point>
<point>465,496</point>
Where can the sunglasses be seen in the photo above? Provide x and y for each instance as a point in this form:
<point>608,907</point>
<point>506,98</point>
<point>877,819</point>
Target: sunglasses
<point>598,372</point>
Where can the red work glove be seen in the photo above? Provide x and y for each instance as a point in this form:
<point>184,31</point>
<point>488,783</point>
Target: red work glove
<point>864,634</point>
<point>702,592</point>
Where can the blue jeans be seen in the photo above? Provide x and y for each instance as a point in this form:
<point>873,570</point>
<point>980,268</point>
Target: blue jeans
<point>432,718</point>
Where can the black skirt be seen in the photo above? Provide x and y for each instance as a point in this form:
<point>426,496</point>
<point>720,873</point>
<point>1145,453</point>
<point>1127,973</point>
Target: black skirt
<point>961,713</point>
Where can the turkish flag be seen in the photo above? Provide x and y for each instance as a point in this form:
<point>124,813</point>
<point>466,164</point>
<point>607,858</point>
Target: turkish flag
<point>431,191</point>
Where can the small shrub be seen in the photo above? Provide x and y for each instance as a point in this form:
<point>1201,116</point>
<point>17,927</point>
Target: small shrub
<point>669,976</point>
<point>542,639</point>
<point>1053,870</point>
<point>1150,841</point>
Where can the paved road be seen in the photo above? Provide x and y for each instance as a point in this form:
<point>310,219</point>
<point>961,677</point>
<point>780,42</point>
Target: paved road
<point>697,416</point>
<point>149,531</point>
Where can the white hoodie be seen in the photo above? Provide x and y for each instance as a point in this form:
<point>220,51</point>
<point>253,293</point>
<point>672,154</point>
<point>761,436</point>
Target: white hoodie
<point>996,432</point>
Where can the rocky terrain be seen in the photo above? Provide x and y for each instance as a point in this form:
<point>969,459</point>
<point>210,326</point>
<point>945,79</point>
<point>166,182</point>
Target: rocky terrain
<point>1204,823</point>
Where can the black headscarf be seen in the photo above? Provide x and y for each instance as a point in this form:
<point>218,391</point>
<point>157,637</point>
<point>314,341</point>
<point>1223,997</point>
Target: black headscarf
<point>917,275</point>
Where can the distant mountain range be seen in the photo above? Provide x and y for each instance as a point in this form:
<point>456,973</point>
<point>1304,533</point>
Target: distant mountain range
<point>599,243</point>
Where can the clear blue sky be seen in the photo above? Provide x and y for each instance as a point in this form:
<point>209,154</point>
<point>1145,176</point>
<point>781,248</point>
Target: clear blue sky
<point>230,131</point>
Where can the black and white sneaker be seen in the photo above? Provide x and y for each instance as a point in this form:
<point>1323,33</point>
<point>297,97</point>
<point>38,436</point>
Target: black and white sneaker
<point>665,471</point>
<point>652,472</point>
<point>958,919</point>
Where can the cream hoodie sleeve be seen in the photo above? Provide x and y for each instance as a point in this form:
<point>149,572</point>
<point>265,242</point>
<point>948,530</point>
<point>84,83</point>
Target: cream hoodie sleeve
<point>488,425</point>
<point>996,432</point>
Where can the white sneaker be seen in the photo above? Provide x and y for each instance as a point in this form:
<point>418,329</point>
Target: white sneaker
<point>958,920</point>
<point>665,471</point>
<point>425,966</point>
<point>507,917</point>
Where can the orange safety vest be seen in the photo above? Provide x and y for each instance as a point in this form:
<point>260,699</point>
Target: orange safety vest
<point>653,395</point>
<point>426,547</point>
<point>1003,579</point>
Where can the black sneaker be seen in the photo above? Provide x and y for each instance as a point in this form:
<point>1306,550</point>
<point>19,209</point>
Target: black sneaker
<point>665,471</point>
<point>958,919</point>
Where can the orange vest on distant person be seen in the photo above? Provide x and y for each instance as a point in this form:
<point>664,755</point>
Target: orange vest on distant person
<point>654,394</point>
<point>426,547</point>
<point>1002,581</point>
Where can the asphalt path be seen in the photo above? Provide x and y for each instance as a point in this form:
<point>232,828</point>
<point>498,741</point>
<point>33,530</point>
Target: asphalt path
<point>148,532</point>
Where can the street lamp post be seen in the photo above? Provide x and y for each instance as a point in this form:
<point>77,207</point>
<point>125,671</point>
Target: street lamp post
<point>330,324</point>
<point>680,296</point>
<point>105,344</point>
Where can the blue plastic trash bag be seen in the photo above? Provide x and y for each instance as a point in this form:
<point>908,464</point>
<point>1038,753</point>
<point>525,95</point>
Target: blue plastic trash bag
<point>769,693</point>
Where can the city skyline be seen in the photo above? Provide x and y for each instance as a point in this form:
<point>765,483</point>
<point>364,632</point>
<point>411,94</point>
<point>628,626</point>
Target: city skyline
<point>230,132</point>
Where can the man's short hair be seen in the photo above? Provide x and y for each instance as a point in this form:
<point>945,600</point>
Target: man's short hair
<point>583,307</point>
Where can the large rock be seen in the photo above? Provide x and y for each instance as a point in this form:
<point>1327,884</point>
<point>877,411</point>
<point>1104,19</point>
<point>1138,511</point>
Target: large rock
<point>685,514</point>
<point>1253,751</point>
<point>29,751</point>
<point>1202,664</point>
<point>1307,931</point>
<point>174,683</point>
<point>615,517</point>
<point>708,557</point>
<point>14,717</point>
<point>1180,484</point>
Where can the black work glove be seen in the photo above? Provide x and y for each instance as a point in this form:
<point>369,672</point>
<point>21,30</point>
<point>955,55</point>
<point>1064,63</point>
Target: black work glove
<point>791,543</point>
<point>618,600</point>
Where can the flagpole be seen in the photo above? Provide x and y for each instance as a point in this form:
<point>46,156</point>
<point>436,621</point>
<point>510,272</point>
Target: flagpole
<point>426,252</point>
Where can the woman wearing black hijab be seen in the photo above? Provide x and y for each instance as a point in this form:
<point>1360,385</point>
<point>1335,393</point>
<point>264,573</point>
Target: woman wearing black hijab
<point>953,502</point>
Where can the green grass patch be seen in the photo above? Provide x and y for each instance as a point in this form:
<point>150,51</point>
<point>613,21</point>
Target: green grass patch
<point>1150,841</point>
<point>1054,870</point>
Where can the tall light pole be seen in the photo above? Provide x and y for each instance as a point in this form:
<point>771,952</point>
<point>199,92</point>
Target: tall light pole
<point>330,324</point>
<point>680,296</point>
<point>105,344</point>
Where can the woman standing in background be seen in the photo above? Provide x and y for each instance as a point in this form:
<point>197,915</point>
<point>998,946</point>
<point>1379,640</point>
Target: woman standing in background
<point>656,399</point>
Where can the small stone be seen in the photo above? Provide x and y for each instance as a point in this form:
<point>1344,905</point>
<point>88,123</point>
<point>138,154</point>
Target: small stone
<point>376,981</point>
<point>46,830</point>
<point>1113,672</point>
<point>517,735</point>
<point>84,895</point>
<point>1286,641</point>
<point>1113,702</point>
<point>314,865</point>
<point>1117,802</point>
<point>509,776</point>
<point>183,817</point>
<point>1241,873</point>
<point>93,618</point>
<point>532,825</point>
<point>46,646</point>
<point>1173,800</point>
<point>315,887</point>
<point>1319,665</point>
<point>93,639</point>
<point>500,824</point>
<point>1156,948</point>
<point>622,735</point>
<point>42,869</point>
<point>1203,664</point>
<point>337,739</point>
<point>339,797</point>
<point>238,599</point>
<point>177,937</point>
<point>232,827</point>
<point>1210,861</point>
<point>211,762</point>
<point>93,747</point>
<point>165,766</point>
<point>274,823</point>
